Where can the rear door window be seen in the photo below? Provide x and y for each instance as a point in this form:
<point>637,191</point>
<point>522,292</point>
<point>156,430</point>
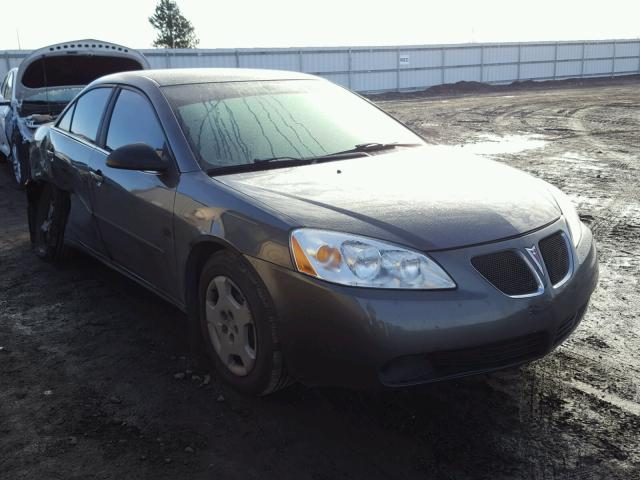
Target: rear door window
<point>134,121</point>
<point>88,113</point>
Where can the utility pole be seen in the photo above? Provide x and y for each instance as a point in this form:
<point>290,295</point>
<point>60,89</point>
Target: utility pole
<point>18,36</point>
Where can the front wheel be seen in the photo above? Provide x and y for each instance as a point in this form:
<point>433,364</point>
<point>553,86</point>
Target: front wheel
<point>238,324</point>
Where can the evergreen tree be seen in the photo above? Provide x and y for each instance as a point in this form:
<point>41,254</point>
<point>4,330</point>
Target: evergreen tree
<point>174,30</point>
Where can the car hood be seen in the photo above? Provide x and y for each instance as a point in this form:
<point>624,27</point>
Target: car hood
<point>73,64</point>
<point>429,198</point>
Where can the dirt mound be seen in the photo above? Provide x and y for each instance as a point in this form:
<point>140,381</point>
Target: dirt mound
<point>467,88</point>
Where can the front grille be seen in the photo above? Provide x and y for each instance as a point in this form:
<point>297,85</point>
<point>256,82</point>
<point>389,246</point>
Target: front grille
<point>507,271</point>
<point>555,254</point>
<point>490,356</point>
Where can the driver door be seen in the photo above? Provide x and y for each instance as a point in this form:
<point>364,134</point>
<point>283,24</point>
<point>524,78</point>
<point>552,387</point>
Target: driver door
<point>134,209</point>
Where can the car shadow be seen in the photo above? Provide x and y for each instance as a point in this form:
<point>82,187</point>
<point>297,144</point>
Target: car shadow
<point>109,338</point>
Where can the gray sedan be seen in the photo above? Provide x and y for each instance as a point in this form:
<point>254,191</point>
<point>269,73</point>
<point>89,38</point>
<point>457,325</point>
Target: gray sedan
<point>307,234</point>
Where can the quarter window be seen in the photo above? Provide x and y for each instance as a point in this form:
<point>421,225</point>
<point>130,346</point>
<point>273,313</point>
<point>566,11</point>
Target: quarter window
<point>10,85</point>
<point>7,87</point>
<point>88,113</point>
<point>134,121</point>
<point>65,121</point>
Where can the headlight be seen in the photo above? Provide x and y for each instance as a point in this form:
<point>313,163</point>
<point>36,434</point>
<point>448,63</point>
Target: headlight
<point>364,262</point>
<point>570,214</point>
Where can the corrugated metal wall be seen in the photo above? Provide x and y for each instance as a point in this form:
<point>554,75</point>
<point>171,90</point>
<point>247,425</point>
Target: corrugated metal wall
<point>380,69</point>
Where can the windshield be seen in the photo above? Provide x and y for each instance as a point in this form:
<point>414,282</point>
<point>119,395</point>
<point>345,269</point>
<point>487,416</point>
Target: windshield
<point>54,95</point>
<point>237,123</point>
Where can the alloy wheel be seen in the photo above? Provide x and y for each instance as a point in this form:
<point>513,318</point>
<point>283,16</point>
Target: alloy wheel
<point>231,327</point>
<point>15,161</point>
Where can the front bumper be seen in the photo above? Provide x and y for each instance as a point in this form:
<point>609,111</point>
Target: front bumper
<point>357,337</point>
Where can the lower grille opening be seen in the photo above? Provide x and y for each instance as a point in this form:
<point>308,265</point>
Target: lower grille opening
<point>507,271</point>
<point>490,356</point>
<point>465,361</point>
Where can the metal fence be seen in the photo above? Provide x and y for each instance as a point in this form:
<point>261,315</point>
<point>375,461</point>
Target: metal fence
<point>402,68</point>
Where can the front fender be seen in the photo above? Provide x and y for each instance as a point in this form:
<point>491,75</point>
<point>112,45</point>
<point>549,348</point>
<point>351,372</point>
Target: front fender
<point>211,212</point>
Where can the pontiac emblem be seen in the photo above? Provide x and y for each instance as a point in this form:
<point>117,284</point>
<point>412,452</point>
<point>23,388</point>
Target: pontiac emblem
<point>535,256</point>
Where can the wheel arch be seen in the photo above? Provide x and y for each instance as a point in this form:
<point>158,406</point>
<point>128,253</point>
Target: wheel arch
<point>200,251</point>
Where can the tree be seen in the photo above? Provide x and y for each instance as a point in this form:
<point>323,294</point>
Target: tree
<point>174,30</point>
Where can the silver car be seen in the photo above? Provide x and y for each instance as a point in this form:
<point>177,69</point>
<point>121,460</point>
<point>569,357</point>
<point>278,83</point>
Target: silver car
<point>45,82</point>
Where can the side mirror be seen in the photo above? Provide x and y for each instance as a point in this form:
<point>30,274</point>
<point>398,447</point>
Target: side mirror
<point>136,156</point>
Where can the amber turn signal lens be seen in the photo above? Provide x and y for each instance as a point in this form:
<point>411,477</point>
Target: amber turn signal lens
<point>329,256</point>
<point>302,262</point>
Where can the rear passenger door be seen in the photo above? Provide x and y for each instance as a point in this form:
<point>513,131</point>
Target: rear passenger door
<point>134,209</point>
<point>73,154</point>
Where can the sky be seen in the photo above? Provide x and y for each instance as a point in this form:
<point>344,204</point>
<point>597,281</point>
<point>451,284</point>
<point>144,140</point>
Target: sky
<point>303,23</point>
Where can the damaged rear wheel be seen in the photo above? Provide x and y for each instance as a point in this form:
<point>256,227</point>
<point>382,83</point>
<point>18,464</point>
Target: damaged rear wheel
<point>49,222</point>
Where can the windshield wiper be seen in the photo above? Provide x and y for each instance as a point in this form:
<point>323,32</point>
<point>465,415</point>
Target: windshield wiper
<point>280,162</point>
<point>364,148</point>
<point>286,161</point>
<point>375,146</point>
<point>360,148</point>
<point>258,164</point>
<point>277,159</point>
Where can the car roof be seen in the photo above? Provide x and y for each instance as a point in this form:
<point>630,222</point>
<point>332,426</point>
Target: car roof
<point>183,76</point>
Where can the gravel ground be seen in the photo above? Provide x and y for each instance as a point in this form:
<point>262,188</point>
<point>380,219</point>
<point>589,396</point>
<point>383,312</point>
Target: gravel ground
<point>94,371</point>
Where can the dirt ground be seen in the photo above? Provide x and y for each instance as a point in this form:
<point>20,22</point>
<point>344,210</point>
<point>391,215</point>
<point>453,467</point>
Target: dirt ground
<point>94,370</point>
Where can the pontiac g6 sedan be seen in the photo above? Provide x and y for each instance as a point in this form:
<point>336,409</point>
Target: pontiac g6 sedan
<point>307,234</point>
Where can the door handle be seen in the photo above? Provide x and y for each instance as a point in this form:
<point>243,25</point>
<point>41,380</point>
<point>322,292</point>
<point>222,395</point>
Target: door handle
<point>97,177</point>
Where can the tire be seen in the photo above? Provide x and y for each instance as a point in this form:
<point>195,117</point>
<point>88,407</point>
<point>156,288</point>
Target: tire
<point>49,220</point>
<point>17,160</point>
<point>229,290</point>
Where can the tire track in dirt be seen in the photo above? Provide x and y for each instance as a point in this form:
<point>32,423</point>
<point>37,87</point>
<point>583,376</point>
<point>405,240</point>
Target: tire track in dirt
<point>618,216</point>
